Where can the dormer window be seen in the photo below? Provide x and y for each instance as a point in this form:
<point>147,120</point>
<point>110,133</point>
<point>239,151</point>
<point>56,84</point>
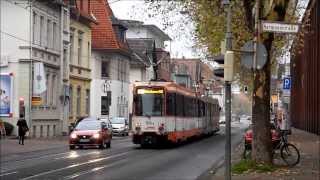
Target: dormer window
<point>122,34</point>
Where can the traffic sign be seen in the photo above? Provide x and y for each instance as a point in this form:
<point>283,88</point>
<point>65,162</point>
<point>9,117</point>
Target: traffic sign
<point>287,83</point>
<point>247,55</point>
<point>279,27</point>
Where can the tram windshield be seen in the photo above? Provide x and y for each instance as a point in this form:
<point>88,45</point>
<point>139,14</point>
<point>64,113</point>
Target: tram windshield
<point>149,102</point>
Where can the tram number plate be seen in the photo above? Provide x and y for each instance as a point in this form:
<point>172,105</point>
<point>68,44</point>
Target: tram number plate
<point>149,123</point>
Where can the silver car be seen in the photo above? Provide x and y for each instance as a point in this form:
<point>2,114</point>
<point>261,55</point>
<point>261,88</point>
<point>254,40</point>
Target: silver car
<point>120,126</point>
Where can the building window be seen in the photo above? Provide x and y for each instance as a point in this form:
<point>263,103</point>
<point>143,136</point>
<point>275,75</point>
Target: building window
<point>78,101</point>
<point>34,19</point>
<point>41,131</point>
<point>71,101</point>
<point>79,48</point>
<point>48,130</point>
<point>34,128</point>
<point>46,95</point>
<point>104,69</point>
<point>88,57</point>
<point>55,36</point>
<point>49,33</point>
<point>65,19</point>
<point>104,105</point>
<point>41,30</point>
<point>53,93</point>
<point>54,130</point>
<point>65,64</point>
<point>87,101</point>
<point>71,47</point>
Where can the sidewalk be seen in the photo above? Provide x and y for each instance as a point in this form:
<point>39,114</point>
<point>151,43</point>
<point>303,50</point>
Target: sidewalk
<point>308,168</point>
<point>9,145</point>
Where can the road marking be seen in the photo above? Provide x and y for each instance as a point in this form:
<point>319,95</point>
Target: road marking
<point>74,165</point>
<point>81,173</point>
<point>75,154</point>
<point>5,174</point>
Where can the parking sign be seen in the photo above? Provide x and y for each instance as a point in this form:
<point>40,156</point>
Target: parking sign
<point>287,83</point>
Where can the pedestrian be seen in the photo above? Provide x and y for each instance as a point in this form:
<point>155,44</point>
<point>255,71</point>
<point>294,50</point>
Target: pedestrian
<point>22,129</point>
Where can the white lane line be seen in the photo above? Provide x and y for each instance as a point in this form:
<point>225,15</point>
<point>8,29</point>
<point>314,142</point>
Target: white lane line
<point>74,165</point>
<point>81,173</point>
<point>5,174</point>
<point>75,154</point>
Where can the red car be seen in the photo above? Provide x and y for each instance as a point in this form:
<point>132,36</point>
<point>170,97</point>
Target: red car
<point>91,132</point>
<point>248,137</point>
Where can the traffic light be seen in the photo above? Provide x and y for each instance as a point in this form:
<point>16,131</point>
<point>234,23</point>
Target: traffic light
<point>245,89</point>
<point>225,68</point>
<point>21,108</point>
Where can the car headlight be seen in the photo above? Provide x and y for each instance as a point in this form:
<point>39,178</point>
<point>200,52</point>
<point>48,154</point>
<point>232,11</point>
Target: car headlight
<point>73,136</point>
<point>96,136</point>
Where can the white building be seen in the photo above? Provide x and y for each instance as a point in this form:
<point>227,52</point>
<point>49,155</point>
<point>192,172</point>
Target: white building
<point>141,38</point>
<point>110,64</point>
<point>34,32</point>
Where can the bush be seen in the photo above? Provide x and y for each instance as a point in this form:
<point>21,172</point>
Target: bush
<point>9,128</point>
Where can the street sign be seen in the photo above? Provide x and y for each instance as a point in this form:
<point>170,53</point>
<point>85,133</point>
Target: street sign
<point>287,83</point>
<point>279,27</point>
<point>247,55</point>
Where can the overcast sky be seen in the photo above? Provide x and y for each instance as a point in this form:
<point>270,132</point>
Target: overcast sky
<point>181,44</point>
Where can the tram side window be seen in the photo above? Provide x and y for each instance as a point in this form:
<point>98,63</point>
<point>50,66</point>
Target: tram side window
<point>199,108</point>
<point>179,105</point>
<point>203,109</point>
<point>171,104</point>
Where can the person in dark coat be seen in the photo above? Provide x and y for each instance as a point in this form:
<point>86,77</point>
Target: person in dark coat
<point>22,129</point>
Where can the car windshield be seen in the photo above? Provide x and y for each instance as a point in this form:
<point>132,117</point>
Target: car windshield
<point>89,125</point>
<point>118,120</point>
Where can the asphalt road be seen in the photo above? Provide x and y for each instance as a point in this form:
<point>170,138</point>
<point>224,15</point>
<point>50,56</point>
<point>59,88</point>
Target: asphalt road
<point>124,161</point>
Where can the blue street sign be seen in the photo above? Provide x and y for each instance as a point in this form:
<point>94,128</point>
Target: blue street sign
<point>287,83</point>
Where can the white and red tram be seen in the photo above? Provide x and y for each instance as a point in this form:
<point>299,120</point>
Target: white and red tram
<point>165,111</point>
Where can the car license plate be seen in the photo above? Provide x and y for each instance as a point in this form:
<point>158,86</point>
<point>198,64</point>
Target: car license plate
<point>84,140</point>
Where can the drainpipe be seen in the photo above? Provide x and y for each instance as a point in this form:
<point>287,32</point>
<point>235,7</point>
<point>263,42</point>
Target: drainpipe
<point>31,67</point>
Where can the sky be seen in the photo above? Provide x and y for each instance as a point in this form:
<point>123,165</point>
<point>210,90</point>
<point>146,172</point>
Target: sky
<point>181,44</point>
<point>182,40</point>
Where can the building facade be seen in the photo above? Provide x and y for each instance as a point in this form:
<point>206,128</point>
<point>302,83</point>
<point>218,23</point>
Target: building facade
<point>80,59</point>
<point>35,54</point>
<point>110,63</point>
<point>139,30</point>
<point>305,65</point>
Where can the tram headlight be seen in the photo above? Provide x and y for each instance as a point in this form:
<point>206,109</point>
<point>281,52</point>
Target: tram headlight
<point>138,124</point>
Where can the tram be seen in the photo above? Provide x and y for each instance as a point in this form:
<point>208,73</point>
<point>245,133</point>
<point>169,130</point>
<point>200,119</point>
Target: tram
<point>168,112</point>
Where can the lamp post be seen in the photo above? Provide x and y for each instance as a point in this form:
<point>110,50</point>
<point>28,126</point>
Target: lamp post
<point>227,5</point>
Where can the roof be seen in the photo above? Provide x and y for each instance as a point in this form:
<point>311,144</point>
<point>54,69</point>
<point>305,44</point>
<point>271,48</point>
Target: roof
<point>141,49</point>
<point>104,36</point>
<point>151,27</point>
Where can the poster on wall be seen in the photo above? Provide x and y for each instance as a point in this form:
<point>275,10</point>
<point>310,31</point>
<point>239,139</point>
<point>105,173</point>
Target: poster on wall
<point>6,95</point>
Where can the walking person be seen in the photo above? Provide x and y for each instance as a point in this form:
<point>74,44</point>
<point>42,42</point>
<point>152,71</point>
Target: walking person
<point>22,129</point>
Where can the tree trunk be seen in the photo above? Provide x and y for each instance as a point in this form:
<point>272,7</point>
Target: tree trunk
<point>262,144</point>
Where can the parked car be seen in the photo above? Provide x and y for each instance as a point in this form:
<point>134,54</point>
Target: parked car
<point>90,132</point>
<point>222,120</point>
<point>120,126</point>
<point>248,136</point>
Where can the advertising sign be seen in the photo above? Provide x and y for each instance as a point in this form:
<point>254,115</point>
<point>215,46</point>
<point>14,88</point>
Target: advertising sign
<point>39,84</point>
<point>6,95</point>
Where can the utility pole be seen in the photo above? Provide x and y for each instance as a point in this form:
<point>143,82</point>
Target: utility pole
<point>227,5</point>
<point>256,35</point>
